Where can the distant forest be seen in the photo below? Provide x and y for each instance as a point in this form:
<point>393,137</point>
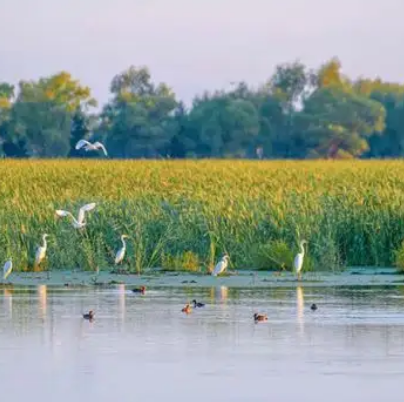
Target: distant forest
<point>297,113</point>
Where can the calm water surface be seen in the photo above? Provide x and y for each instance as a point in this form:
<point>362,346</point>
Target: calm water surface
<point>144,348</point>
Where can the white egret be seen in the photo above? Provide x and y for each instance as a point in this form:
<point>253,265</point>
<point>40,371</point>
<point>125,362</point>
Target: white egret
<point>88,146</point>
<point>79,222</point>
<point>221,265</point>
<point>41,251</point>
<point>8,267</point>
<point>120,254</point>
<point>298,262</point>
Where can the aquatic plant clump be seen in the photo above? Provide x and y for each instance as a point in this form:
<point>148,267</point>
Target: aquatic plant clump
<point>186,214</point>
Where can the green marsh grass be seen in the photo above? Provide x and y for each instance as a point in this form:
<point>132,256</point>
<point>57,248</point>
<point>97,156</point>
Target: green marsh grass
<point>185,214</point>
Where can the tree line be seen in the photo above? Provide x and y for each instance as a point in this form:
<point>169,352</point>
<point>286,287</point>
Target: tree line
<point>297,113</point>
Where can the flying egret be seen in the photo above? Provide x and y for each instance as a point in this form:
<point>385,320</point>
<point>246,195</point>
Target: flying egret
<point>221,265</point>
<point>120,254</point>
<point>88,146</point>
<point>79,222</point>
<point>298,262</point>
<point>8,266</point>
<point>41,251</point>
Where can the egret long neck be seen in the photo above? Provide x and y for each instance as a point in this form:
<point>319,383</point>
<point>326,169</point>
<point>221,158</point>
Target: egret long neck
<point>302,248</point>
<point>123,242</point>
<point>44,243</point>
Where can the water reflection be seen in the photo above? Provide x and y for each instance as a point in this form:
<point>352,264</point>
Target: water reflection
<point>122,301</point>
<point>356,336</point>
<point>42,300</point>
<point>219,294</point>
<point>300,308</point>
<point>8,299</point>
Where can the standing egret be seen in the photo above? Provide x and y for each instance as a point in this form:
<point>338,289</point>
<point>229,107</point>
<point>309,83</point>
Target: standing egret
<point>298,262</point>
<point>120,254</point>
<point>221,265</point>
<point>8,266</point>
<point>79,223</point>
<point>41,251</point>
<point>88,146</point>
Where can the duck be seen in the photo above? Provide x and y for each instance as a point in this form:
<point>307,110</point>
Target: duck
<point>187,309</point>
<point>197,304</point>
<point>260,317</point>
<point>89,315</point>
<point>313,307</point>
<point>141,290</point>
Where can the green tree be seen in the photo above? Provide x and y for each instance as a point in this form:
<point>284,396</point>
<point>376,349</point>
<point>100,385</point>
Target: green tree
<point>41,117</point>
<point>337,122</point>
<point>222,125</point>
<point>139,121</point>
<point>6,99</point>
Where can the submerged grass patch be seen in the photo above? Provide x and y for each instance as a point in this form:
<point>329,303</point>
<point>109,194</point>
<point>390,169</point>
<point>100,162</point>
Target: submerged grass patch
<point>182,215</point>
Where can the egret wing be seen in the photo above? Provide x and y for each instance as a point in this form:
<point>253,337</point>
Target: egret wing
<point>83,210</point>
<point>100,145</point>
<point>82,143</point>
<point>119,255</point>
<point>61,212</point>
<point>297,263</point>
<point>8,266</point>
<point>218,269</point>
<point>39,255</point>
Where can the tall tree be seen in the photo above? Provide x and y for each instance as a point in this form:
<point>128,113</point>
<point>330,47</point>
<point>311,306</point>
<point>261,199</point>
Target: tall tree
<point>140,118</point>
<point>6,98</point>
<point>41,117</point>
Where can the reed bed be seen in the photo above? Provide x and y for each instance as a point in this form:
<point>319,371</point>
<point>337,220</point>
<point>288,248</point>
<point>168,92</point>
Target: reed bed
<point>185,214</point>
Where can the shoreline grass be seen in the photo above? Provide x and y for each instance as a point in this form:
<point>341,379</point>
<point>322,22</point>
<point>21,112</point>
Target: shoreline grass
<point>182,215</point>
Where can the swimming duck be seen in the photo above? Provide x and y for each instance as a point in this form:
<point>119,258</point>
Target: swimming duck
<point>313,307</point>
<point>89,315</point>
<point>197,304</point>
<point>260,317</point>
<point>141,290</point>
<point>187,309</point>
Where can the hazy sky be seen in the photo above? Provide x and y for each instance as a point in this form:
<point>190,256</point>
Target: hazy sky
<point>197,44</point>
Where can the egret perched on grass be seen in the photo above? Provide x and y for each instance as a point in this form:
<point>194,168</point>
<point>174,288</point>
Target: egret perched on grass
<point>221,265</point>
<point>88,146</point>
<point>8,267</point>
<point>79,222</point>
<point>298,262</point>
<point>120,254</point>
<point>41,251</point>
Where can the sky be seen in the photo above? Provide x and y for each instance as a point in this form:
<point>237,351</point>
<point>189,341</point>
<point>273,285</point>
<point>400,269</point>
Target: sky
<point>194,45</point>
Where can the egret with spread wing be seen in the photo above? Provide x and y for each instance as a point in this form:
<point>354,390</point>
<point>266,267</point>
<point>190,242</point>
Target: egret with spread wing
<point>120,254</point>
<point>88,146</point>
<point>41,251</point>
<point>79,222</point>
<point>221,265</point>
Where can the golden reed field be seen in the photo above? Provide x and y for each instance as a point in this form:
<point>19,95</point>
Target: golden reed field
<point>182,215</point>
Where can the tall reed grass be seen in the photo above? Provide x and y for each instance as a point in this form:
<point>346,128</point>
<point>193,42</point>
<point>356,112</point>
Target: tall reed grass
<point>186,213</point>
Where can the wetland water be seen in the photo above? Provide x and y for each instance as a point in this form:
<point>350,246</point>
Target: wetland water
<point>144,348</point>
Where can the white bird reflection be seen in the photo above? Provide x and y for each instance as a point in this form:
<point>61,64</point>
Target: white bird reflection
<point>8,300</point>
<point>219,293</point>
<point>42,300</point>
<point>300,309</point>
<point>122,301</point>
